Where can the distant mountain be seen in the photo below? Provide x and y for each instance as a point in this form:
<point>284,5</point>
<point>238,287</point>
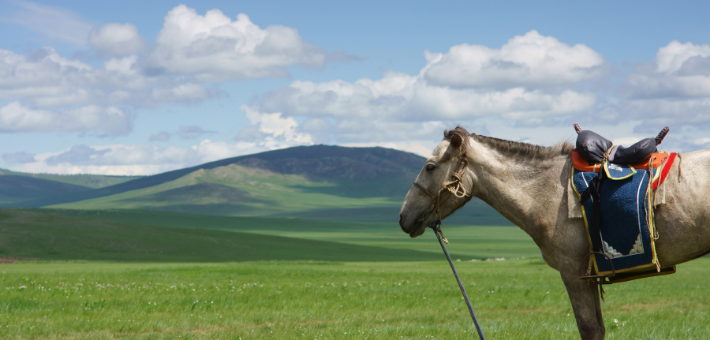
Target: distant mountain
<point>15,189</point>
<point>84,180</point>
<point>311,182</point>
<point>360,172</point>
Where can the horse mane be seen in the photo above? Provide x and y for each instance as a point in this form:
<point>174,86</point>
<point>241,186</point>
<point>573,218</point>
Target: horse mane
<point>512,148</point>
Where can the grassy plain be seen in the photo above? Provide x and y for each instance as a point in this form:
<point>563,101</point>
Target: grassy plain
<point>521,299</point>
<point>467,242</point>
<point>32,234</point>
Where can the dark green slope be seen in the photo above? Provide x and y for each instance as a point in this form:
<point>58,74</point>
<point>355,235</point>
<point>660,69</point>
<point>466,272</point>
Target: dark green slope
<point>14,189</point>
<point>358,172</point>
<point>36,235</point>
<point>84,180</point>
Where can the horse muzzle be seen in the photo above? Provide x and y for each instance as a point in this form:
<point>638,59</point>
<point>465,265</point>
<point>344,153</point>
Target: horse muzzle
<point>413,228</point>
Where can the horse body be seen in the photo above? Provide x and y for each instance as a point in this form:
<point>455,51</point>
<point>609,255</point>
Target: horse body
<point>529,185</point>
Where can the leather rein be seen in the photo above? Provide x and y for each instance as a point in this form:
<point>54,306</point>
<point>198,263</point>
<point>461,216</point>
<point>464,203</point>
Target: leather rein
<point>454,186</point>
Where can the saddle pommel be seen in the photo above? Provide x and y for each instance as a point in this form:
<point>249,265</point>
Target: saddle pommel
<point>662,135</point>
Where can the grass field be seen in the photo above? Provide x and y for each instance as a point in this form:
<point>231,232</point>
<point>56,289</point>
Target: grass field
<point>172,276</point>
<point>467,242</point>
<point>31,234</point>
<point>521,299</point>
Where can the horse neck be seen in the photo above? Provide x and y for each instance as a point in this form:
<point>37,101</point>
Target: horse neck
<point>527,192</point>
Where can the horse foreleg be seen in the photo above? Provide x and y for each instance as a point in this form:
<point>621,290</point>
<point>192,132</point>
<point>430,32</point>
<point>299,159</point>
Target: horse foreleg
<point>584,296</point>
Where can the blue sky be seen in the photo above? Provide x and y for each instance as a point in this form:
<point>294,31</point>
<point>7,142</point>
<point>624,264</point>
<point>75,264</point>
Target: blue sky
<point>144,87</point>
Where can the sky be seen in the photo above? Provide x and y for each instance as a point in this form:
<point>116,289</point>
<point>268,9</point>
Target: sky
<point>139,88</point>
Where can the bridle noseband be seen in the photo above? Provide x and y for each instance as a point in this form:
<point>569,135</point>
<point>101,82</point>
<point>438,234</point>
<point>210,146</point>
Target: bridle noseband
<point>453,186</point>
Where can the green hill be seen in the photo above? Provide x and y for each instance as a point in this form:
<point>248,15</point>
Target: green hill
<point>39,235</point>
<point>84,180</point>
<point>354,172</point>
<point>307,182</point>
<point>15,189</point>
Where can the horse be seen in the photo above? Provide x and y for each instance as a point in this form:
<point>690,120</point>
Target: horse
<point>530,186</point>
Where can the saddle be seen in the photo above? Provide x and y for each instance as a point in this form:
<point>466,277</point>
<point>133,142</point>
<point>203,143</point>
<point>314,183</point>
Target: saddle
<point>597,149</point>
<point>617,164</point>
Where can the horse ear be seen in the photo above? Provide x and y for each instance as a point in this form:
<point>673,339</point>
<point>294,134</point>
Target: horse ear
<point>456,141</point>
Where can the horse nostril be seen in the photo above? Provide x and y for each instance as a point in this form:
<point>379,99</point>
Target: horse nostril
<point>401,220</point>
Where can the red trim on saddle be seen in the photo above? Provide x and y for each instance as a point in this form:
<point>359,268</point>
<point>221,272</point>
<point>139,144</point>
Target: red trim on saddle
<point>666,168</point>
<point>660,159</point>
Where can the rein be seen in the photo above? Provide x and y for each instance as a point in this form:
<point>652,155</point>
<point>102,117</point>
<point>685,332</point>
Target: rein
<point>455,187</point>
<point>436,228</point>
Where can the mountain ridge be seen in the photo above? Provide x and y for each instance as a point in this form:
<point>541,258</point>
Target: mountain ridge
<point>278,160</point>
<point>318,182</point>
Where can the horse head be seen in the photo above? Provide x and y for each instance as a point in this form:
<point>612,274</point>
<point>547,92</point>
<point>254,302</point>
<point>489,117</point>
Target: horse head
<point>442,186</point>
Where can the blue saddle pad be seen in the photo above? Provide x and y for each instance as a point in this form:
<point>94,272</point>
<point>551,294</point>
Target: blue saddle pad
<point>626,224</point>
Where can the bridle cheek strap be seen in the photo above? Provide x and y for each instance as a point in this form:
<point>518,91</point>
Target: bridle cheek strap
<point>453,186</point>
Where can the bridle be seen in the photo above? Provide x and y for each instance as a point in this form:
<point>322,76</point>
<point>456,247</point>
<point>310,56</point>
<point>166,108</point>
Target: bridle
<point>454,186</point>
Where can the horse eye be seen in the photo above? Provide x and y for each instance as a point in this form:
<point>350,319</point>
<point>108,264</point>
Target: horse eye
<point>430,167</point>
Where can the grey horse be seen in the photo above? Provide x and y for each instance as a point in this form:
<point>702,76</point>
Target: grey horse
<point>529,185</point>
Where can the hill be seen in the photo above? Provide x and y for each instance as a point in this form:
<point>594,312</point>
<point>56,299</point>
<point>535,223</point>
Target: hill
<point>357,172</point>
<point>83,180</point>
<point>307,182</point>
<point>15,189</point>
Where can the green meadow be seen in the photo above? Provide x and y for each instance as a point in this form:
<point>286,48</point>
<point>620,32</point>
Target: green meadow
<point>517,299</point>
<point>466,242</point>
<point>134,274</point>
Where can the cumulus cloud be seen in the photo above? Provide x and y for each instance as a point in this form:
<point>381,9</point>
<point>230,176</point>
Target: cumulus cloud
<point>212,47</point>
<point>61,94</point>
<point>116,39</point>
<point>672,90</point>
<point>400,96</point>
<point>271,130</point>
<point>530,60</point>
<point>191,49</point>
<point>15,117</point>
<point>50,80</point>
<point>135,159</point>
<point>401,107</point>
<point>679,71</point>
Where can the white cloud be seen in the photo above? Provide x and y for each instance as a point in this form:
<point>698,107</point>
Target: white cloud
<point>134,159</point>
<point>381,108</point>
<point>52,22</point>
<point>50,80</point>
<point>272,131</point>
<point>673,90</point>
<point>530,60</point>
<point>399,96</point>
<point>215,48</point>
<point>190,49</point>
<point>681,71</point>
<point>673,56</point>
<point>14,117</point>
<point>116,39</point>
